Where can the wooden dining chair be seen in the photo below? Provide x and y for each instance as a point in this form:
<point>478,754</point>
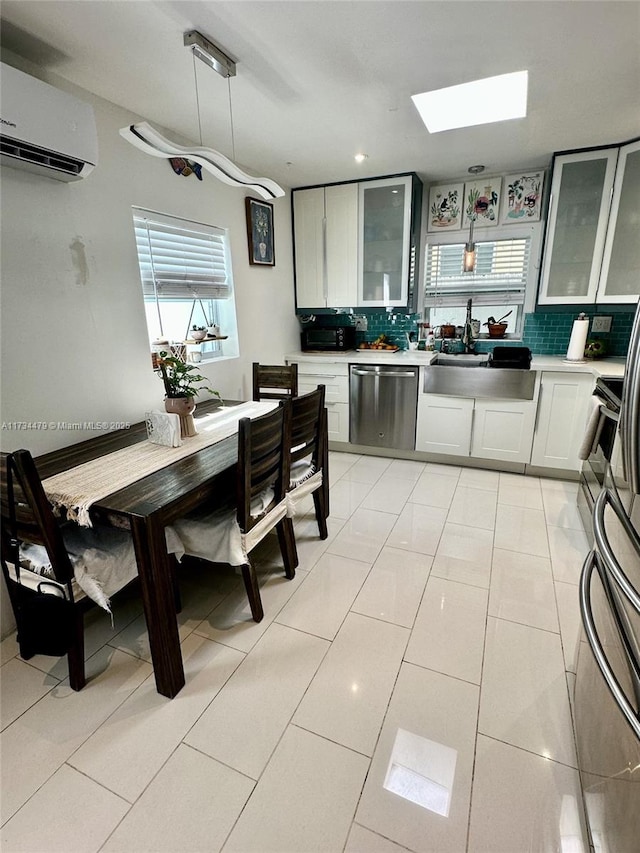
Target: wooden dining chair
<point>43,559</point>
<point>229,534</point>
<point>310,456</point>
<point>275,381</point>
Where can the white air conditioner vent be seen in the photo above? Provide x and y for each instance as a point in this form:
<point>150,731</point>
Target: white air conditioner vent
<point>45,130</point>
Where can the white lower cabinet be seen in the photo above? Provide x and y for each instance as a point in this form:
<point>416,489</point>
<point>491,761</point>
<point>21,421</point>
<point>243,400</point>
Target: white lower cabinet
<point>486,429</point>
<point>444,424</point>
<point>562,416</point>
<point>503,429</point>
<point>335,378</point>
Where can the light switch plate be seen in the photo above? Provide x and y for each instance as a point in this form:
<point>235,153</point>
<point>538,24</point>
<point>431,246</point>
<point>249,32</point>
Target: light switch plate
<point>361,324</point>
<point>601,324</point>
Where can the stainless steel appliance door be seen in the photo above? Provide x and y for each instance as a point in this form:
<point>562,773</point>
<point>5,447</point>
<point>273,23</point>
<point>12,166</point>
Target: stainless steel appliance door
<point>607,690</point>
<point>383,406</point>
<point>630,415</point>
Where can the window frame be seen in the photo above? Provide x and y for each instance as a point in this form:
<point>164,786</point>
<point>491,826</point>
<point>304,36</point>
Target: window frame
<point>207,278</point>
<point>533,231</point>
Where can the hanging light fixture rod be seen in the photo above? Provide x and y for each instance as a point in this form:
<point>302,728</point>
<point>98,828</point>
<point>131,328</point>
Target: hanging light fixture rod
<point>210,54</point>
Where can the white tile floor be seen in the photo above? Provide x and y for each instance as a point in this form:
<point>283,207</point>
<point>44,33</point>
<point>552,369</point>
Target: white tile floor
<point>408,690</point>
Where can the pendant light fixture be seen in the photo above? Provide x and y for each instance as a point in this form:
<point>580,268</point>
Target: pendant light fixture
<point>469,259</point>
<point>147,139</point>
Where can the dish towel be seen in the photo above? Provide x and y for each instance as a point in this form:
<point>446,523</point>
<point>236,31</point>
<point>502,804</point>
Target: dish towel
<point>593,429</point>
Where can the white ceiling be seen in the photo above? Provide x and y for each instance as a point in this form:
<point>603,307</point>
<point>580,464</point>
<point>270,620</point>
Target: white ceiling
<point>318,81</point>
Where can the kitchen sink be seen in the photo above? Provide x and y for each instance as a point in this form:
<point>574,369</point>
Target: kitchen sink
<point>450,375</point>
<point>461,359</point>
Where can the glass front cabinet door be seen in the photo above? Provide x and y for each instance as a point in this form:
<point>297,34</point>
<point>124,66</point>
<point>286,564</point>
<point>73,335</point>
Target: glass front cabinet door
<point>620,277</point>
<point>577,226</point>
<point>385,242</point>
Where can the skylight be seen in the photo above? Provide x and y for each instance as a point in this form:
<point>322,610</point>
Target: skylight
<point>479,102</point>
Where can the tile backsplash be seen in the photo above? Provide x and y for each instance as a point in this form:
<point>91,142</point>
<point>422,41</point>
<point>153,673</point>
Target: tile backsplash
<point>545,332</point>
<point>548,333</point>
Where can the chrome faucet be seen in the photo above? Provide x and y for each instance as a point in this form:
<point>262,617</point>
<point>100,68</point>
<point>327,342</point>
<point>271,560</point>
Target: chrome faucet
<point>467,335</point>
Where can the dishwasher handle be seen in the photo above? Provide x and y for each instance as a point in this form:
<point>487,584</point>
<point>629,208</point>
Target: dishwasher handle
<point>404,374</point>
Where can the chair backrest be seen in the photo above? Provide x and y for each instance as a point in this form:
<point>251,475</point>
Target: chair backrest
<point>307,433</point>
<point>35,522</point>
<point>281,379</point>
<point>264,446</point>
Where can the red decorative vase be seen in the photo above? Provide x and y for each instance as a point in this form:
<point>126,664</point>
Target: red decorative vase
<point>183,406</point>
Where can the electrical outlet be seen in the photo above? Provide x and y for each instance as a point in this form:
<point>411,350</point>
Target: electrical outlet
<point>601,324</point>
<point>361,324</point>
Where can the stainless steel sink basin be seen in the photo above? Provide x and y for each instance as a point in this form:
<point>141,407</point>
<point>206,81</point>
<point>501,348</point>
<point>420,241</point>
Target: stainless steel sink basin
<point>450,375</point>
<point>461,359</point>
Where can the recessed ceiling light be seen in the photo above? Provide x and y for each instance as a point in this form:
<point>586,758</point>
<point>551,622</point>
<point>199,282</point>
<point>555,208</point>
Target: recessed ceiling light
<point>359,158</point>
<point>479,102</point>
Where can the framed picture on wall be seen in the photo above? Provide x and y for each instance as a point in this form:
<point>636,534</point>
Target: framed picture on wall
<point>482,202</point>
<point>522,197</point>
<point>260,232</point>
<point>445,207</point>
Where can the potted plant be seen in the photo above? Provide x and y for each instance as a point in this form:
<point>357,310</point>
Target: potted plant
<point>198,333</point>
<point>181,385</point>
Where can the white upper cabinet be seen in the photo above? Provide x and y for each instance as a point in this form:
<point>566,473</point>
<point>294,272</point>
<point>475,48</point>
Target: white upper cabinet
<point>308,230</point>
<point>577,226</point>
<point>325,227</point>
<point>621,262</point>
<point>592,248</point>
<point>385,242</point>
<point>341,206</point>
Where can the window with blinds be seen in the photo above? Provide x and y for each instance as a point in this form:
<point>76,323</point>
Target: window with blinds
<point>180,259</point>
<point>187,285</point>
<point>500,276</point>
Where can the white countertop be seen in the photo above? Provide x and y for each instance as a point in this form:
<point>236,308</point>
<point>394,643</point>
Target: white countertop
<point>610,367</point>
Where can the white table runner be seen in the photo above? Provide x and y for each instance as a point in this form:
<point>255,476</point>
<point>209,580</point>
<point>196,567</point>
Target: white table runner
<point>73,492</point>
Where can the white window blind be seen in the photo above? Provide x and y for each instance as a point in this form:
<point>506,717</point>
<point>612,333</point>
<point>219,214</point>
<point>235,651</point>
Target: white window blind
<point>501,273</point>
<point>181,259</point>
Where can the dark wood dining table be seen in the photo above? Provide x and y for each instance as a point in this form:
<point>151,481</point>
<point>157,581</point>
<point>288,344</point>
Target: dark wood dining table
<point>146,507</point>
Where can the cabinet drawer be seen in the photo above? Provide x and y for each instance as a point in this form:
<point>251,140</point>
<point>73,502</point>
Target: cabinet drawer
<point>324,368</point>
<point>336,387</point>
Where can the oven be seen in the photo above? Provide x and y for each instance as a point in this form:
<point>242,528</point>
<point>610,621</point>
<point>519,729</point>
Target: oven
<point>592,476</point>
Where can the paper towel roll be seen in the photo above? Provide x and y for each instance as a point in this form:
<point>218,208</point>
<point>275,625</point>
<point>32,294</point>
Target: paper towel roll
<point>578,340</point>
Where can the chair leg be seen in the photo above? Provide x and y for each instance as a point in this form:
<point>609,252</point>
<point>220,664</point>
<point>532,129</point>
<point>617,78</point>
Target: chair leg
<point>320,504</point>
<point>75,655</point>
<point>288,549</point>
<point>253,591</point>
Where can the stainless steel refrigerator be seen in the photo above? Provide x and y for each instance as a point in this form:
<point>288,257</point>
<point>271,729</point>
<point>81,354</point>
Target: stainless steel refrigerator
<point>607,686</point>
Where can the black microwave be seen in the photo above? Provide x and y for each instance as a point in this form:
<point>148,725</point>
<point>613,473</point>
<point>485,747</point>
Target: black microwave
<point>328,338</point>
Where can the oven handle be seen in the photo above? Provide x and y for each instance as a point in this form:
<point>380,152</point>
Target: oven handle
<point>608,413</point>
<point>596,646</point>
<point>602,543</point>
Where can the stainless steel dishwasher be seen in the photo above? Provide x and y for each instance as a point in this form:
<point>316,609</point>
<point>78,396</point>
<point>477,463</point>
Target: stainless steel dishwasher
<point>383,400</point>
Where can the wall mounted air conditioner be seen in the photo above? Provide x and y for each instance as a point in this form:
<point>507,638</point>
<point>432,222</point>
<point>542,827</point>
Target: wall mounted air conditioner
<point>45,130</point>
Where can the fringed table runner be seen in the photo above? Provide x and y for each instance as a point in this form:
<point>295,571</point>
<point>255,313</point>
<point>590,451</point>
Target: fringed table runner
<point>73,492</point>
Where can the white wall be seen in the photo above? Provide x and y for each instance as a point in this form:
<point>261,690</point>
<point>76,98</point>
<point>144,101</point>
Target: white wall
<point>74,338</point>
